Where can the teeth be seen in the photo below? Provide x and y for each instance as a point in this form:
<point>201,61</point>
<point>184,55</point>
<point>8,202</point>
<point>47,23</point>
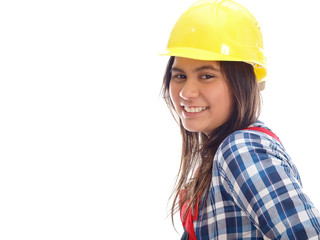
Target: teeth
<point>194,109</point>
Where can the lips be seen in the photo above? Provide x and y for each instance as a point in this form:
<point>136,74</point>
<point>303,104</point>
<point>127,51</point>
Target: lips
<point>194,109</point>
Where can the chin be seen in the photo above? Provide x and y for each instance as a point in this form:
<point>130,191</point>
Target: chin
<point>193,128</point>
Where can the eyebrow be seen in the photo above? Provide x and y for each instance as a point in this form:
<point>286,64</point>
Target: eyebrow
<point>205,67</point>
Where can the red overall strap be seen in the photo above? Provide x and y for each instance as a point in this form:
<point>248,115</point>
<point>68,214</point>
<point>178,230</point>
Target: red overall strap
<point>264,130</point>
<point>187,222</point>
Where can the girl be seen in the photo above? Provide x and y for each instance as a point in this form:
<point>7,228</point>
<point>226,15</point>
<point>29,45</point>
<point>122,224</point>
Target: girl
<point>235,181</point>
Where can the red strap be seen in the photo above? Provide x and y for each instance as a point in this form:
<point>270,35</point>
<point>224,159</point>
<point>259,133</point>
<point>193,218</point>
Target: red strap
<point>187,222</point>
<point>264,130</point>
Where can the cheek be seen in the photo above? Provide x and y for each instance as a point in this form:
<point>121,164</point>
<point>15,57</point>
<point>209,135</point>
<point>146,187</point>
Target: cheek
<point>174,94</point>
<point>222,101</point>
<point>228,100</point>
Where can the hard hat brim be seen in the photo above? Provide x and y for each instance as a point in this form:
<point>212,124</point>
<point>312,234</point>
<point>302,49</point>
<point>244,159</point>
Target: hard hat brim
<point>259,69</point>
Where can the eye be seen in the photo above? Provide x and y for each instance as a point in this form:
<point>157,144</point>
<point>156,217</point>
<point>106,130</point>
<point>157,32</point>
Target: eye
<point>207,77</point>
<point>179,77</point>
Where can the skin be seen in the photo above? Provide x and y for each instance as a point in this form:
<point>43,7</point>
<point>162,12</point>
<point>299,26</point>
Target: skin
<point>198,84</point>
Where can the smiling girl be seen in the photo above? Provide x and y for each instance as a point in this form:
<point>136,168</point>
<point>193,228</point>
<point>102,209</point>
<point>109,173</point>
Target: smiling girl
<point>235,181</point>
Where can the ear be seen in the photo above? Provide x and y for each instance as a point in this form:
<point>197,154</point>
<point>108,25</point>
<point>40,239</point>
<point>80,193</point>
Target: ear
<point>261,85</point>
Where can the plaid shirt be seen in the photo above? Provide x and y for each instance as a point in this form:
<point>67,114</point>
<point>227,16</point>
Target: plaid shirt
<point>255,193</point>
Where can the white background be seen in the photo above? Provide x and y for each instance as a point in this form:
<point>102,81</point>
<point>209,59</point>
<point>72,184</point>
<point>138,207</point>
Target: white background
<point>88,149</point>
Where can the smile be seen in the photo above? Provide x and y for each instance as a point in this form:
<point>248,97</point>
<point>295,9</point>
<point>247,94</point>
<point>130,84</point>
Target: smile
<point>194,109</point>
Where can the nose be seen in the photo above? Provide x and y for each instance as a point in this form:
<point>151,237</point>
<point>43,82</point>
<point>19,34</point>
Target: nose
<point>190,90</point>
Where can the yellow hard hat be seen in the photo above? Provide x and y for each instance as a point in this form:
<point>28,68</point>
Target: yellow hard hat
<point>218,30</point>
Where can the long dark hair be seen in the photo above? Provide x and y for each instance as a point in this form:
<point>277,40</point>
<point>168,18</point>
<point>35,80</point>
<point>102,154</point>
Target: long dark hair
<point>198,149</point>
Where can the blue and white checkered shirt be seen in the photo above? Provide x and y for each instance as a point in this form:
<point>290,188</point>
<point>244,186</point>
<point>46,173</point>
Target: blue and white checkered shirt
<point>255,193</point>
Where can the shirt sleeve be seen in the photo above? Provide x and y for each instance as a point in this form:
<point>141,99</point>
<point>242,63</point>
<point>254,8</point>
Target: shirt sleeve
<point>263,182</point>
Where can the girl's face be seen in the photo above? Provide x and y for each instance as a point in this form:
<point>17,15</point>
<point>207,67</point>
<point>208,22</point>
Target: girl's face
<point>200,94</point>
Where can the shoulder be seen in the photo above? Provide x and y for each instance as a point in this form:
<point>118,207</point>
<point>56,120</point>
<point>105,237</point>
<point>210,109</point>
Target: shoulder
<point>247,138</point>
<point>245,148</point>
